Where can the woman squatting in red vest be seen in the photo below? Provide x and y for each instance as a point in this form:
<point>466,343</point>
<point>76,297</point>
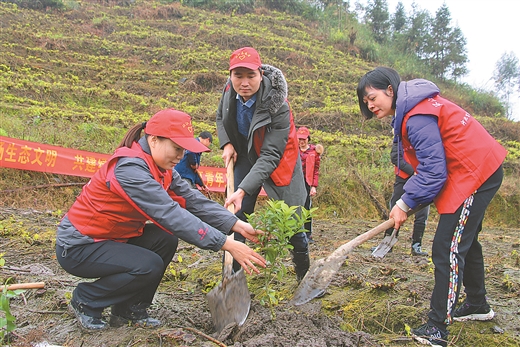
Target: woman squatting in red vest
<point>124,227</point>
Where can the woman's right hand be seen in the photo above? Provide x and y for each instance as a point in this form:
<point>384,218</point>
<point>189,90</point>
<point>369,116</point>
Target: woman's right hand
<point>245,256</point>
<point>247,230</point>
<point>399,216</point>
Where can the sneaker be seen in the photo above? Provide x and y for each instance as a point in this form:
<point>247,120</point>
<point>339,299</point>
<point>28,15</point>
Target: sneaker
<point>135,315</point>
<point>148,322</point>
<point>417,250</point>
<point>430,335</point>
<point>85,321</point>
<point>466,312</point>
<point>309,238</point>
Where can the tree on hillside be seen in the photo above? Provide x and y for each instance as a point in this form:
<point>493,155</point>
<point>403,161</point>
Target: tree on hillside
<point>507,77</point>
<point>399,18</point>
<point>457,57</point>
<point>377,17</point>
<point>446,48</point>
<point>416,37</point>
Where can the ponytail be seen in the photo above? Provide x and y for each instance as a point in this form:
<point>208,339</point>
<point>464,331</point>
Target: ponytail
<point>133,135</point>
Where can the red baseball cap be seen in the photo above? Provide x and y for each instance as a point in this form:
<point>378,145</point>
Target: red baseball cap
<point>245,57</point>
<point>176,126</point>
<point>303,133</point>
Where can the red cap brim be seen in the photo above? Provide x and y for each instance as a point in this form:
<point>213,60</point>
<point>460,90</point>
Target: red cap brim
<point>191,144</point>
<point>246,65</point>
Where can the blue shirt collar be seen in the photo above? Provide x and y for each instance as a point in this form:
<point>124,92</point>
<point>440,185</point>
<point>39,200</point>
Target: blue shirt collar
<point>249,102</point>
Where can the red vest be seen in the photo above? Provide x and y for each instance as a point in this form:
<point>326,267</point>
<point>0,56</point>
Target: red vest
<point>472,154</point>
<point>310,160</point>
<point>282,175</point>
<point>401,173</point>
<point>104,211</point>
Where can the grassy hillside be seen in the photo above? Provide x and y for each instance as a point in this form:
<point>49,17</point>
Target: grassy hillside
<point>81,77</point>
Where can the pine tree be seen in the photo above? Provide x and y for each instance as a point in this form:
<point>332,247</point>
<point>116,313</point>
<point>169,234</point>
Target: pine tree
<point>399,18</point>
<point>377,17</point>
<point>416,37</point>
<point>446,49</point>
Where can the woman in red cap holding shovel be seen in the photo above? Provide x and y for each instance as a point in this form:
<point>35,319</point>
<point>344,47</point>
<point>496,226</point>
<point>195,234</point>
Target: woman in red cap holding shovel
<point>458,166</point>
<point>107,233</point>
<point>256,130</point>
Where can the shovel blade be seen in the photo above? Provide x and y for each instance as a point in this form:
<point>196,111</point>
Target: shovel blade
<point>230,301</point>
<point>317,280</point>
<point>385,246</point>
<point>322,271</point>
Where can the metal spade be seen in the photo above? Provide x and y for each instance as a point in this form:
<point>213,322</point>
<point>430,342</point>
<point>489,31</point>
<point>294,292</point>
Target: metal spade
<point>230,301</point>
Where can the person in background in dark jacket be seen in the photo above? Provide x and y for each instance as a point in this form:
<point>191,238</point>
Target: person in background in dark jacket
<point>256,130</point>
<point>310,157</point>
<point>123,228</point>
<point>189,164</point>
<point>403,171</point>
<point>458,166</point>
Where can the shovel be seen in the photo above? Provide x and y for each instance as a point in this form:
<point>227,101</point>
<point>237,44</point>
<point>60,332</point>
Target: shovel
<point>229,301</point>
<point>390,240</point>
<point>386,245</point>
<point>322,270</point>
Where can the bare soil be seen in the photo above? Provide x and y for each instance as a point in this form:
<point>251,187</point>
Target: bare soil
<point>370,302</point>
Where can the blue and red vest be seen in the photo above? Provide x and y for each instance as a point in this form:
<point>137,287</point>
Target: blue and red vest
<point>282,175</point>
<point>472,154</point>
<point>103,210</point>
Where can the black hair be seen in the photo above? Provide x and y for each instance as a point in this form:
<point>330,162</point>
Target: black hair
<point>379,78</point>
<point>206,135</point>
<point>132,135</point>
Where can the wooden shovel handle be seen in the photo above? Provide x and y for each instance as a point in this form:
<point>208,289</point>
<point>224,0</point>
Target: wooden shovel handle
<point>230,183</point>
<point>230,189</point>
<point>34,285</point>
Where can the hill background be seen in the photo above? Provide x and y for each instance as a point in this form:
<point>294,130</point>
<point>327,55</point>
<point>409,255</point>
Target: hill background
<point>79,77</point>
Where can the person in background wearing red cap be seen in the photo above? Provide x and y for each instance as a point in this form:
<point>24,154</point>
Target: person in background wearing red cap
<point>310,157</point>
<point>256,130</point>
<point>124,227</point>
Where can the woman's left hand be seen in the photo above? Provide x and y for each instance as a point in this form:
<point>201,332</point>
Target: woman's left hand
<point>245,256</point>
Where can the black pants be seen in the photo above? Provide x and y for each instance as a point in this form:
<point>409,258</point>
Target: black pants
<point>242,168</point>
<point>307,206</point>
<point>127,273</point>
<point>457,253</point>
<point>420,217</point>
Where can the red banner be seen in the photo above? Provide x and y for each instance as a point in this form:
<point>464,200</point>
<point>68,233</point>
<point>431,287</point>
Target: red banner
<point>33,156</point>
<point>25,155</point>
